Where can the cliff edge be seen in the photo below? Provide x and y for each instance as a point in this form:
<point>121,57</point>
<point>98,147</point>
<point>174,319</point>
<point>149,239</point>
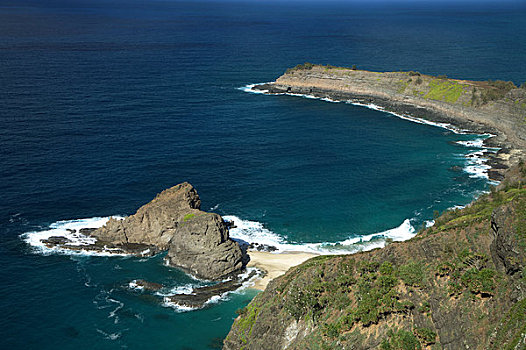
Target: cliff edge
<point>460,284</point>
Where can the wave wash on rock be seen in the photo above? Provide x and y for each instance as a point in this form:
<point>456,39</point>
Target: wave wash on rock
<point>196,241</point>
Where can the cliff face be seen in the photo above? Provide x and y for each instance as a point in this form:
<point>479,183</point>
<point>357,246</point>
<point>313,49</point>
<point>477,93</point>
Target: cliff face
<point>460,284</point>
<point>496,107</point>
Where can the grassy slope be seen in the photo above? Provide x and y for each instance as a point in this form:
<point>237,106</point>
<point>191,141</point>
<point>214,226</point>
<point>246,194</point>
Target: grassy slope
<point>441,289</point>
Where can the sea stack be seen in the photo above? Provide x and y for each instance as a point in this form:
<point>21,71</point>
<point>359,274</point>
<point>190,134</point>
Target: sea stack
<point>196,241</point>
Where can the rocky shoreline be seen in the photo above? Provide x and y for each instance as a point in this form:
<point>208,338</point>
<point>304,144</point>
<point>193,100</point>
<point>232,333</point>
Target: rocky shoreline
<point>195,241</point>
<point>399,93</point>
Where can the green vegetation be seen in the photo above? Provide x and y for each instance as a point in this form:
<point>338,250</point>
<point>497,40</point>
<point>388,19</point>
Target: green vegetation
<point>246,322</point>
<point>448,91</point>
<point>188,217</point>
<point>497,90</point>
<point>479,281</point>
<point>346,301</point>
<point>412,274</point>
<point>426,336</point>
<point>512,328</point>
<point>425,307</point>
<point>402,86</point>
<point>477,212</point>
<point>304,66</point>
<point>400,340</point>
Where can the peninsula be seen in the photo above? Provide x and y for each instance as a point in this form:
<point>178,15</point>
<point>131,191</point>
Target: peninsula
<point>495,107</point>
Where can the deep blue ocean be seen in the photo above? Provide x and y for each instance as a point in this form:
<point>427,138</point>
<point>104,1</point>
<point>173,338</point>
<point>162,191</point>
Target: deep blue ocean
<point>104,103</point>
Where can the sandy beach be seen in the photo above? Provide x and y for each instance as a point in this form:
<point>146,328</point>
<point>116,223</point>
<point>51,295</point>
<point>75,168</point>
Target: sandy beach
<point>275,264</point>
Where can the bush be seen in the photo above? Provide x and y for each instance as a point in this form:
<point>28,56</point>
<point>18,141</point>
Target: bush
<point>304,66</point>
<point>418,81</point>
<point>497,90</point>
<point>400,340</point>
<point>353,67</point>
<point>412,274</point>
<point>479,281</point>
<point>426,335</point>
<point>331,330</point>
<point>188,217</point>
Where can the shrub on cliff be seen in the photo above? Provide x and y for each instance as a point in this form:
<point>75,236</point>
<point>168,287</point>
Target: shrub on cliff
<point>497,90</point>
<point>304,66</point>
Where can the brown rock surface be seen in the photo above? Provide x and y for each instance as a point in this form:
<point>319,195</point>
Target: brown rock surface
<point>197,242</point>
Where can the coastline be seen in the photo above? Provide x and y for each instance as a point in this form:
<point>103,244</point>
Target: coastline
<point>385,92</point>
<point>275,264</point>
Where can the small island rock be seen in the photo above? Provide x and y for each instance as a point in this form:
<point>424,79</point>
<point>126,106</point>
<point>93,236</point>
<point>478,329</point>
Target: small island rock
<point>197,241</point>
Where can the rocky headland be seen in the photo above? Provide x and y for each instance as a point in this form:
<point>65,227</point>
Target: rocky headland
<point>196,241</point>
<point>494,107</point>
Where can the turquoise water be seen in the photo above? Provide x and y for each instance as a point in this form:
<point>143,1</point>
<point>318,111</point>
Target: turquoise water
<point>104,104</point>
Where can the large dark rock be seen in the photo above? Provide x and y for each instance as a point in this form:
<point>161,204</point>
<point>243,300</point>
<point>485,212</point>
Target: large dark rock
<point>506,250</point>
<point>154,223</point>
<point>202,247</point>
<point>198,242</point>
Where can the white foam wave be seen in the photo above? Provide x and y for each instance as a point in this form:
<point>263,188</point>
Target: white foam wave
<point>249,88</point>
<point>133,285</point>
<point>254,232</point>
<point>446,126</point>
<point>110,336</point>
<point>186,289</point>
<point>69,229</point>
<point>476,162</point>
<point>478,143</point>
<point>189,289</point>
<point>429,223</point>
<point>178,308</point>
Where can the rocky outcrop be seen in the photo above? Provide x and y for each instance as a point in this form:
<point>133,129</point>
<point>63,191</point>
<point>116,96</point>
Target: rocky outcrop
<point>197,242</point>
<point>156,222</point>
<point>506,249</point>
<point>460,284</point>
<point>201,247</point>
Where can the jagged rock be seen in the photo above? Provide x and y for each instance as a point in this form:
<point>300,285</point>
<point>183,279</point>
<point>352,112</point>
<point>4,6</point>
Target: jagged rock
<point>55,240</point>
<point>202,247</point>
<point>197,242</point>
<point>506,251</point>
<point>200,296</point>
<point>146,285</point>
<point>154,223</point>
<point>262,247</point>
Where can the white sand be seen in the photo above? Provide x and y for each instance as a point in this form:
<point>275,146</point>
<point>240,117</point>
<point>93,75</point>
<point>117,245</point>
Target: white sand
<point>275,264</point>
